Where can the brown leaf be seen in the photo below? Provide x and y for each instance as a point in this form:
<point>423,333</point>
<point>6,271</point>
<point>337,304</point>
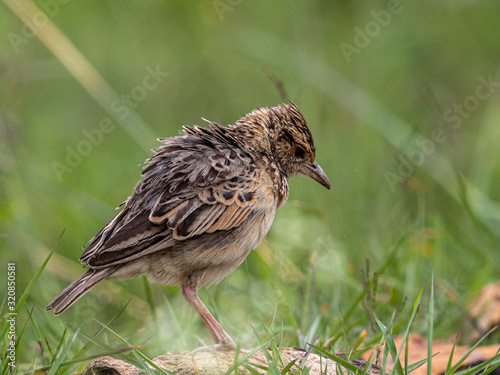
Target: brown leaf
<point>417,350</point>
<point>485,310</point>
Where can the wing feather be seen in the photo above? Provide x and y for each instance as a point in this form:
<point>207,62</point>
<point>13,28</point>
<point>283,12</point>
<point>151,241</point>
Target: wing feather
<point>192,186</point>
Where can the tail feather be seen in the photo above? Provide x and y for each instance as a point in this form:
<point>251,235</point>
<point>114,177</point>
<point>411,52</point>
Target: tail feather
<point>78,288</point>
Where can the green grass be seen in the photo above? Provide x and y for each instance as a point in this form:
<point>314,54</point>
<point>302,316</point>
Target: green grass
<point>431,237</point>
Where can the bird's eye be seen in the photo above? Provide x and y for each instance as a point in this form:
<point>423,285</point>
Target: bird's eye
<point>299,152</point>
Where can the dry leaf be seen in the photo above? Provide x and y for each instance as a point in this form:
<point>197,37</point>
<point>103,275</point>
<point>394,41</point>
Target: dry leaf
<point>485,310</point>
<point>417,350</point>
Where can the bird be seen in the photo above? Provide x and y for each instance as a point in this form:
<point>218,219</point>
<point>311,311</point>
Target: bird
<point>206,199</point>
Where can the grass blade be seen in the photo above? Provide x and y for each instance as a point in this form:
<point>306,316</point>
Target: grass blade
<point>99,331</point>
<point>26,292</point>
<point>406,336</point>
<point>466,355</point>
<point>63,353</point>
<point>83,71</point>
<point>418,364</point>
<point>391,345</point>
<point>150,299</point>
<point>450,359</point>
<point>137,352</point>
<point>240,362</point>
<point>430,328</point>
<point>483,368</point>
<point>83,359</point>
<point>340,361</point>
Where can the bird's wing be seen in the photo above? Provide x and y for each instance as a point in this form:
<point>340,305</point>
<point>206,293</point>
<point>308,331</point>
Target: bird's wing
<point>216,207</point>
<point>125,238</point>
<point>192,186</point>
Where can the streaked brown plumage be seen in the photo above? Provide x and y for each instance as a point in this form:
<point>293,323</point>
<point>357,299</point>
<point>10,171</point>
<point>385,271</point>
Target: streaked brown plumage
<point>206,199</point>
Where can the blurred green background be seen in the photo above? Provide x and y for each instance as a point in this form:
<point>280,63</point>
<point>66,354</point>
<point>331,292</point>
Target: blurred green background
<point>402,98</point>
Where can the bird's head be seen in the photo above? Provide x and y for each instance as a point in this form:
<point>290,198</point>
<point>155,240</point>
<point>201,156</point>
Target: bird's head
<point>288,139</point>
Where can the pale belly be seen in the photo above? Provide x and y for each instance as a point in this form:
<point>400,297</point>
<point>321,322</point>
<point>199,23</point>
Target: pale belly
<point>207,259</point>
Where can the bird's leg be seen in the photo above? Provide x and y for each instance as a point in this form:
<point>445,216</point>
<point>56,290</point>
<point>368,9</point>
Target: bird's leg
<point>222,339</point>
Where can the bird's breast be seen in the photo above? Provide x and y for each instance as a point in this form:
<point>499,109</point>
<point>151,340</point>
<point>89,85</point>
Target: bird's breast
<point>276,181</point>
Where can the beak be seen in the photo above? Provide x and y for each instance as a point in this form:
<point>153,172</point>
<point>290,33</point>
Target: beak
<point>316,173</point>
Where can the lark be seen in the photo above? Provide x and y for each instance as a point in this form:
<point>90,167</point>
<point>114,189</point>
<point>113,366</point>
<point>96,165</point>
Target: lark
<point>206,199</point>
